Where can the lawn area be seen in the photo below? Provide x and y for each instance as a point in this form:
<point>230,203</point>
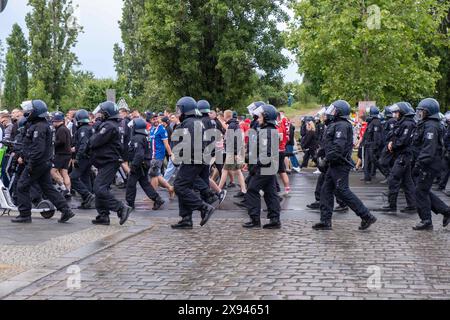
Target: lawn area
<point>300,110</point>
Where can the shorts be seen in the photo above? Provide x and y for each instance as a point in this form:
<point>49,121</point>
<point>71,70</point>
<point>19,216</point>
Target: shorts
<point>155,168</point>
<point>231,163</point>
<point>62,161</point>
<point>282,164</point>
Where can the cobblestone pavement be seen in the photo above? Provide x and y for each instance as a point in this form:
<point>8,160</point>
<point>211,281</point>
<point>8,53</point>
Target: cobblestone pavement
<point>224,261</point>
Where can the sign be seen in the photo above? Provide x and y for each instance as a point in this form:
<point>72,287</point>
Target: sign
<point>111,95</point>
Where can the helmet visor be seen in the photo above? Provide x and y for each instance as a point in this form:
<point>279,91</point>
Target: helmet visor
<point>27,106</point>
<point>331,110</point>
<point>97,110</point>
<point>258,111</point>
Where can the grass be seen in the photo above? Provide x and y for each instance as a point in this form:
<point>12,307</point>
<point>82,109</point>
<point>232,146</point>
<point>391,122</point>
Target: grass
<point>299,109</point>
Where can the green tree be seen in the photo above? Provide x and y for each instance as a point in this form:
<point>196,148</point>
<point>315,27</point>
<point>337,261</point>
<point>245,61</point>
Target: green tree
<point>131,61</point>
<point>16,70</point>
<point>368,50</point>
<point>2,66</point>
<point>53,32</point>
<point>212,49</point>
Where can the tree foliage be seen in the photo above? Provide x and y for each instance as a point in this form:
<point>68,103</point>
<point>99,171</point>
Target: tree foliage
<point>217,50</point>
<point>53,32</point>
<point>345,53</point>
<point>16,70</point>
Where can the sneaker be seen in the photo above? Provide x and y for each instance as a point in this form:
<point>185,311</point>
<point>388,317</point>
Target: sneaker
<point>240,194</point>
<point>317,172</point>
<point>297,169</point>
<point>222,195</point>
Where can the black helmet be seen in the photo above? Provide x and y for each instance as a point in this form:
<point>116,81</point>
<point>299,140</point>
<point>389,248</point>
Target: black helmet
<point>109,109</point>
<point>269,114</point>
<point>388,112</point>
<point>35,109</point>
<point>373,111</point>
<point>339,109</point>
<point>430,108</point>
<point>149,116</point>
<point>204,107</point>
<point>58,117</point>
<point>187,106</point>
<point>140,126</point>
<point>254,106</point>
<point>404,108</point>
<point>82,116</point>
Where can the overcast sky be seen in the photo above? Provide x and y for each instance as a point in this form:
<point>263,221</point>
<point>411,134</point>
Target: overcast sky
<point>99,19</point>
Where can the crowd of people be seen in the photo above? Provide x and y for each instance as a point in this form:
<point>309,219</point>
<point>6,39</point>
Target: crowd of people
<point>81,153</point>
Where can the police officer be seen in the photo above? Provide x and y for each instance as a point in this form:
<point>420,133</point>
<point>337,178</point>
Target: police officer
<point>323,167</point>
<point>140,158</point>
<point>38,152</point>
<point>192,165</point>
<point>372,143</point>
<point>387,158</point>
<point>106,147</point>
<point>261,180</point>
<point>400,147</point>
<point>338,150</point>
<point>446,161</point>
<point>429,137</point>
<point>202,182</point>
<point>81,172</point>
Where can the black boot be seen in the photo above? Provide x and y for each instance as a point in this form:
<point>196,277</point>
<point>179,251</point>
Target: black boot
<point>206,213</point>
<point>158,204</point>
<point>424,225</point>
<point>341,209</point>
<point>273,224</point>
<point>241,205</point>
<point>101,220</point>
<point>367,222</point>
<point>22,219</point>
<point>388,208</point>
<point>185,223</point>
<point>446,220</point>
<point>254,223</point>
<point>323,226</point>
<point>314,205</point>
<point>409,210</point>
<point>66,215</point>
<point>124,213</point>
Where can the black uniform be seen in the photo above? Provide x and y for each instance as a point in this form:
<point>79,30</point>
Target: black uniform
<point>202,182</point>
<point>81,173</point>
<point>260,181</point>
<point>140,158</point>
<point>400,175</point>
<point>446,161</point>
<point>125,131</point>
<point>386,160</point>
<point>38,152</point>
<point>372,143</point>
<point>190,170</point>
<point>338,146</point>
<point>429,139</point>
<point>106,146</point>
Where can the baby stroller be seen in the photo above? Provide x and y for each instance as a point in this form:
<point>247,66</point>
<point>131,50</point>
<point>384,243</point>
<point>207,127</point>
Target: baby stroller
<point>44,207</point>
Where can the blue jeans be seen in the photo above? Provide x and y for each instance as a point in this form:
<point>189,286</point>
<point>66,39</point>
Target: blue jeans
<point>293,158</point>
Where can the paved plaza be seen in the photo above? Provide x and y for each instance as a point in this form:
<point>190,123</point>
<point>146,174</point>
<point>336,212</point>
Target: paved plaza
<point>145,259</point>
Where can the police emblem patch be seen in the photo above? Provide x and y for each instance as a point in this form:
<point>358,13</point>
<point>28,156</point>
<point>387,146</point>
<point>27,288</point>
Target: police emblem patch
<point>35,134</point>
<point>430,135</point>
<point>135,144</point>
<point>338,134</point>
<point>375,129</point>
<point>103,131</point>
<point>82,134</point>
<point>406,132</point>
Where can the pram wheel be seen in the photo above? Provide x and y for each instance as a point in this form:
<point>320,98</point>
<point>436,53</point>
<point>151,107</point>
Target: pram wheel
<point>45,204</point>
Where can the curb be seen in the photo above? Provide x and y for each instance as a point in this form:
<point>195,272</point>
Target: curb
<point>29,277</point>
